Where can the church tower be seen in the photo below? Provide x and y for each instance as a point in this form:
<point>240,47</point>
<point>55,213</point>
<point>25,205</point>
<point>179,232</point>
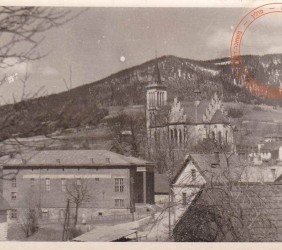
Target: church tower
<point>156,96</point>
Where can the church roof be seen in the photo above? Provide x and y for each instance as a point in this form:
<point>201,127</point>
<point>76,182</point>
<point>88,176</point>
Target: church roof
<point>156,81</point>
<point>190,111</point>
<point>156,77</point>
<point>219,117</point>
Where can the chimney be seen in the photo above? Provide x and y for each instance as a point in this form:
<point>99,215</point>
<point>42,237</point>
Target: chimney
<point>216,160</point>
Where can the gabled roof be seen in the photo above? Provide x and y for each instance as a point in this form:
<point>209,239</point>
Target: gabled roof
<point>271,146</point>
<point>190,111</point>
<point>59,158</point>
<point>219,117</point>
<point>265,223</point>
<point>230,167</point>
<point>273,135</point>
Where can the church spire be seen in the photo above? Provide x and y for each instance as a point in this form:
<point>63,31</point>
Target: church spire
<point>156,77</point>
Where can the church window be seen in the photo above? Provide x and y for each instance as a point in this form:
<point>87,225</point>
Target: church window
<point>219,137</point>
<point>180,137</point>
<point>175,136</point>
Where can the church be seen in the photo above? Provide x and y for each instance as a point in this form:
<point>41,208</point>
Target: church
<point>181,126</point>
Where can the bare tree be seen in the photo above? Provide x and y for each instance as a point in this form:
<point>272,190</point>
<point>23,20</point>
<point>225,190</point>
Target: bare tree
<point>22,30</point>
<point>128,132</point>
<point>78,192</point>
<point>28,221</point>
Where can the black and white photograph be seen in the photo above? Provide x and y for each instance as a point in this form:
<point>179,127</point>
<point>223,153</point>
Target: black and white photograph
<point>141,123</point>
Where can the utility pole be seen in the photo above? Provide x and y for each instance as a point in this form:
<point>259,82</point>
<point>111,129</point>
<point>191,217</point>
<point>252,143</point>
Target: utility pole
<point>132,203</point>
<point>66,222</point>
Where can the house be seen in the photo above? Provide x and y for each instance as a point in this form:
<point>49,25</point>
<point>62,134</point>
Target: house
<point>273,137</point>
<point>235,213</point>
<point>40,180</point>
<point>200,170</point>
<point>161,189</point>
<point>4,220</point>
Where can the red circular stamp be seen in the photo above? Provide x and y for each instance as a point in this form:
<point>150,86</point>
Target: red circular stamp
<point>237,63</point>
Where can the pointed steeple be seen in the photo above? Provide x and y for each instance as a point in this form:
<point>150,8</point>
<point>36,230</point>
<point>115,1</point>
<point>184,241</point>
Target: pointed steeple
<point>156,78</point>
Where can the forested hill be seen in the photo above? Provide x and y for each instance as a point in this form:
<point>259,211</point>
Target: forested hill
<point>87,104</point>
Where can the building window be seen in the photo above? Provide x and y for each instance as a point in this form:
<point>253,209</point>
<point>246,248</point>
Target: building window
<point>273,172</point>
<point>48,186</point>
<point>14,195</point>
<point>184,199</point>
<point>78,182</point>
<point>193,174</point>
<point>119,203</point>
<point>219,137</point>
<point>97,179</point>
<point>64,185</point>
<point>14,214</point>
<point>45,214</point>
<point>119,187</point>
<point>14,182</point>
<point>32,182</point>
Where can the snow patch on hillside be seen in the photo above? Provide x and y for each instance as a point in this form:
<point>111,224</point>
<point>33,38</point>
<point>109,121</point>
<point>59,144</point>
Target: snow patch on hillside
<point>223,63</point>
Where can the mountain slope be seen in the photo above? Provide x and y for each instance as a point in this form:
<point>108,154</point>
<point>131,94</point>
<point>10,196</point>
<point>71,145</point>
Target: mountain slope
<point>87,104</point>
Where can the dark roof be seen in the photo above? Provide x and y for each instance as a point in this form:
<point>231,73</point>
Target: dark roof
<point>219,117</point>
<point>273,135</point>
<point>271,146</point>
<point>156,77</point>
<point>70,158</point>
<point>190,111</point>
<point>4,205</point>
<point>161,184</point>
<point>246,213</point>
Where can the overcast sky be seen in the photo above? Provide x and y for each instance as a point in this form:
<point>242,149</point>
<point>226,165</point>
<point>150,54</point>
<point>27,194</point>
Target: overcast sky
<point>103,41</point>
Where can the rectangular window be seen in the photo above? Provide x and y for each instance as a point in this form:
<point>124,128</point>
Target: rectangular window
<point>64,185</point>
<point>14,182</point>
<point>48,186</point>
<point>184,199</point>
<point>14,195</point>
<point>119,187</point>
<point>97,179</point>
<point>14,214</point>
<point>78,182</point>
<point>32,182</point>
<point>193,174</point>
<point>119,203</point>
<point>45,214</point>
